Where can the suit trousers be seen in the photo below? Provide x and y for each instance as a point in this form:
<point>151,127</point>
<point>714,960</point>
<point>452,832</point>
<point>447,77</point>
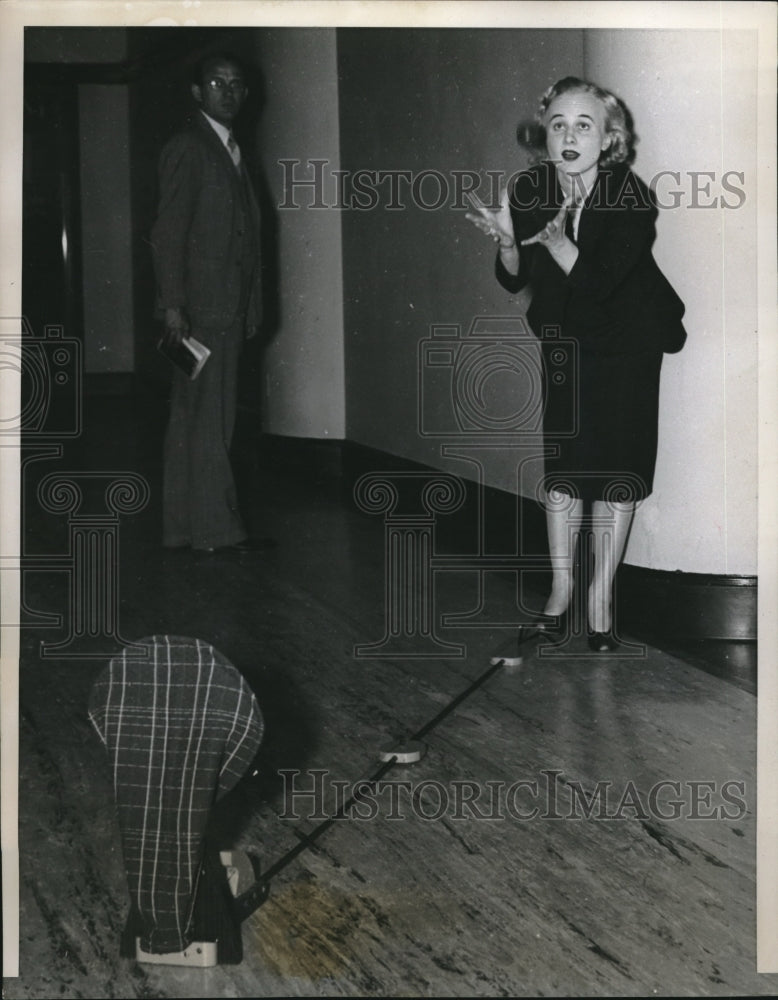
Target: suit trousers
<point>200,504</point>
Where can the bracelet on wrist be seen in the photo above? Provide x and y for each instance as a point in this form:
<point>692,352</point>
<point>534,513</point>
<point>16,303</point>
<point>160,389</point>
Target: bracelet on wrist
<point>508,246</point>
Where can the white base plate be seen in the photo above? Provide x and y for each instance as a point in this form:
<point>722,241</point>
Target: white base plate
<point>507,661</point>
<point>199,955</point>
<point>409,752</point>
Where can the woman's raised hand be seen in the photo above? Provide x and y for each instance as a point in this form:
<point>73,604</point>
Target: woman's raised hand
<point>496,223</point>
<point>552,235</point>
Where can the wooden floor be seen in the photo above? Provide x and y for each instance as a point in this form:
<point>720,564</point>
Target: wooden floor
<point>432,896</point>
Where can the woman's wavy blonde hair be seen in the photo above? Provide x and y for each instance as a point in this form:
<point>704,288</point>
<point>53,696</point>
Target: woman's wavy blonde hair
<point>618,120</point>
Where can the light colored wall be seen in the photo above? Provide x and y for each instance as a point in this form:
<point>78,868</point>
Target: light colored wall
<point>106,228</point>
<point>446,101</point>
<point>693,98</point>
<point>303,388</point>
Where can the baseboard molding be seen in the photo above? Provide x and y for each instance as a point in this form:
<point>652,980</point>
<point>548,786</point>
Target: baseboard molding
<point>319,458</point>
<point>688,605</point>
<point>663,605</point>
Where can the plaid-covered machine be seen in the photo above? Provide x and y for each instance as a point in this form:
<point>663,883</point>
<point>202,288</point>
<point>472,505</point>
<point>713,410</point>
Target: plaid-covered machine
<point>181,727</point>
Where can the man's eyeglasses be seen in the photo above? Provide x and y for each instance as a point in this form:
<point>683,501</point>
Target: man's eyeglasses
<point>220,85</point>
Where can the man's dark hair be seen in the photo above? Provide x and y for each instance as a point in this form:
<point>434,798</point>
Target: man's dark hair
<point>204,64</point>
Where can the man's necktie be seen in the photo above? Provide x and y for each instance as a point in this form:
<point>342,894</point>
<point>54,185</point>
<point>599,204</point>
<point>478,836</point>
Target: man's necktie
<point>234,150</point>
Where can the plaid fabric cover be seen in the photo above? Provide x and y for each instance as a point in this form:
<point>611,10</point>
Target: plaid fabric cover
<point>181,727</point>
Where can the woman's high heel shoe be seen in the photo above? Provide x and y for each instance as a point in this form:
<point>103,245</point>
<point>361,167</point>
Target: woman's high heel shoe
<point>602,642</point>
<point>552,627</point>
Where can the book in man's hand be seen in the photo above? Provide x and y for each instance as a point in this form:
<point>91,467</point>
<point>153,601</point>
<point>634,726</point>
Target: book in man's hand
<point>188,354</point>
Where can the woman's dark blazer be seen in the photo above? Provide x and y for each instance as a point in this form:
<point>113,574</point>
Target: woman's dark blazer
<point>615,300</point>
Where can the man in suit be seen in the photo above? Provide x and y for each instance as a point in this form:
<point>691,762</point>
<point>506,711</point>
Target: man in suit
<point>205,245</point>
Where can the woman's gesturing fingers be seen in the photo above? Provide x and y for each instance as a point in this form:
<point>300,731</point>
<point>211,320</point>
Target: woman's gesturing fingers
<point>495,223</point>
<point>480,216</point>
<point>553,233</point>
<point>476,202</point>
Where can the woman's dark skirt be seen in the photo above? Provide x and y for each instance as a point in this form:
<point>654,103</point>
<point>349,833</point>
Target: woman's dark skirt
<point>600,425</point>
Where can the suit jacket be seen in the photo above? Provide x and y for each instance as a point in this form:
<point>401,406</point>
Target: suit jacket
<point>205,241</point>
<point>615,300</point>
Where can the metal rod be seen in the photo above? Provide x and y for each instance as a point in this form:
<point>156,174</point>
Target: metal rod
<point>308,839</point>
<point>457,701</point>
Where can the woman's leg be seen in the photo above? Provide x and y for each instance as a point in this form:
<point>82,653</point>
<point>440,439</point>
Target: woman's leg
<point>610,529</point>
<point>563,523</point>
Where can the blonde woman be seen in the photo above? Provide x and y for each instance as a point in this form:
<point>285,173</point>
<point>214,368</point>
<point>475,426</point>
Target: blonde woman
<point>578,228</point>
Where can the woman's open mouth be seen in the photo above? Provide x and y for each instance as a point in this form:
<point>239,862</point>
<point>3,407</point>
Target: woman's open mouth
<point>570,154</point>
